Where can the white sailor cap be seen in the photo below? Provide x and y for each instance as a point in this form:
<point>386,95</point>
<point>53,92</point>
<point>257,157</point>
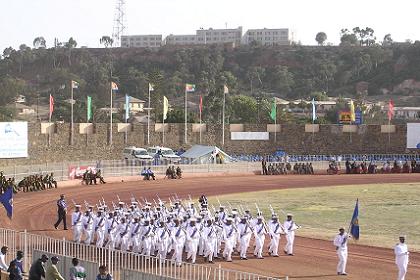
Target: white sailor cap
<point>77,205</point>
<point>134,202</point>
<point>191,202</point>
<point>193,219</point>
<point>100,209</point>
<point>148,203</point>
<point>274,216</point>
<point>234,212</point>
<point>121,202</point>
<point>147,207</point>
<point>221,206</point>
<point>289,215</point>
<point>402,236</point>
<point>229,219</point>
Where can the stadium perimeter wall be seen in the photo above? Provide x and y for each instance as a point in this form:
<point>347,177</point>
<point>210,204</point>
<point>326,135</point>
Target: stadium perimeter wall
<point>91,141</point>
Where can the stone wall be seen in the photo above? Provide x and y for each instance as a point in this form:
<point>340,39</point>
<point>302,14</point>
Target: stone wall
<point>330,139</point>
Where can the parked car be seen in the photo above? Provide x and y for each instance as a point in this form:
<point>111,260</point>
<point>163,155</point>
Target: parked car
<point>165,153</point>
<point>136,153</point>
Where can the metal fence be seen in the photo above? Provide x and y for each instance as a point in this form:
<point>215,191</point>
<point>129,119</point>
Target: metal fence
<point>121,264</point>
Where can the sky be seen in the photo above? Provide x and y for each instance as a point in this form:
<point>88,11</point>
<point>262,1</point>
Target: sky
<point>88,20</point>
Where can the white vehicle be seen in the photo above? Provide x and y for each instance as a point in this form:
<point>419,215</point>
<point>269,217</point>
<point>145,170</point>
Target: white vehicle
<point>166,153</point>
<point>136,153</point>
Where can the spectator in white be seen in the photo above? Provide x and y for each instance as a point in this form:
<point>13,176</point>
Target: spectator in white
<point>3,252</point>
<point>103,274</point>
<point>340,243</point>
<point>401,258</point>
<point>77,272</point>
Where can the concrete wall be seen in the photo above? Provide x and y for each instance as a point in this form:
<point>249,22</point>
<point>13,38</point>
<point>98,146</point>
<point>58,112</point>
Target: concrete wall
<point>53,145</point>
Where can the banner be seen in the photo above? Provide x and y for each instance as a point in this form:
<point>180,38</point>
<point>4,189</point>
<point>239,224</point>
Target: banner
<point>76,172</point>
<point>258,136</point>
<point>345,117</point>
<point>413,136</point>
<point>13,139</point>
<point>89,108</point>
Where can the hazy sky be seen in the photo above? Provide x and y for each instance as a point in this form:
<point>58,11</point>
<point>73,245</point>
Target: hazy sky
<point>87,20</point>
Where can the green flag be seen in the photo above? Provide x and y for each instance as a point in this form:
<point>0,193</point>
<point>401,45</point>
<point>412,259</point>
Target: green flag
<point>89,108</point>
<point>273,113</point>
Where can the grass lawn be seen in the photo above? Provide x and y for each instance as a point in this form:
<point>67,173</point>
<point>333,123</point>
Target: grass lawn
<point>385,210</point>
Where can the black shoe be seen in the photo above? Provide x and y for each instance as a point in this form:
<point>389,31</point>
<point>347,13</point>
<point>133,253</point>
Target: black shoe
<point>290,254</point>
<point>55,227</point>
<point>66,229</point>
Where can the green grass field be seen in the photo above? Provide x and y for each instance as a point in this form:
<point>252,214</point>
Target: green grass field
<point>385,211</point>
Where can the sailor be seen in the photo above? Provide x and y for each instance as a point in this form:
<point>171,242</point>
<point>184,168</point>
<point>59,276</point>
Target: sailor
<point>76,222</point>
<point>100,226</point>
<point>210,240</point>
<point>401,257</point>
<point>244,231</point>
<point>289,229</point>
<point>259,235</point>
<point>88,227</point>
<point>178,238</point>
<point>229,239</point>
<point>275,229</point>
<point>135,235</point>
<point>146,237</point>
<point>111,229</point>
<point>163,235</point>
<point>123,235</point>
<point>340,243</point>
<point>193,237</point>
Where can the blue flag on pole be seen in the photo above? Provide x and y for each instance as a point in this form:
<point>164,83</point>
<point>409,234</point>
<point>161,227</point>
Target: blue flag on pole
<point>127,107</point>
<point>354,224</point>
<point>313,110</point>
<point>7,200</point>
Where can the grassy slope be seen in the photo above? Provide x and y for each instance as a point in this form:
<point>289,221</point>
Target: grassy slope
<point>385,211</point>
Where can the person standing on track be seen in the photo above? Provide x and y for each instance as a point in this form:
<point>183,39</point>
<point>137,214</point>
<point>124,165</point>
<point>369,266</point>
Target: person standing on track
<point>340,243</point>
<point>76,222</point>
<point>401,258</point>
<point>62,212</point>
<point>289,229</point>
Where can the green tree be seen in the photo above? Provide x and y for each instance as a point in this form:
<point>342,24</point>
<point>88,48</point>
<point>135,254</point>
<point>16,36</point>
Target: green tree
<point>106,41</point>
<point>320,38</point>
<point>70,45</point>
<point>10,88</point>
<point>243,109</point>
<point>39,42</point>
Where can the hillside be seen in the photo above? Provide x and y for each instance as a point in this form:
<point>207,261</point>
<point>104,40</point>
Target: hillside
<point>291,72</point>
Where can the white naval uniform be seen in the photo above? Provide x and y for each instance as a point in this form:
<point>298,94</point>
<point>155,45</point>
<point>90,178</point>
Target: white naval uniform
<point>88,228</point>
<point>210,241</point>
<point>163,236</point>
<point>135,231</point>
<point>193,238</point>
<point>76,222</point>
<point>100,226</point>
<point>178,238</point>
<point>111,229</point>
<point>289,230</point>
<point>275,229</point>
<point>401,259</point>
<point>146,238</point>
<point>244,231</point>
<point>340,242</point>
<point>123,235</point>
<point>229,238</point>
<point>259,235</point>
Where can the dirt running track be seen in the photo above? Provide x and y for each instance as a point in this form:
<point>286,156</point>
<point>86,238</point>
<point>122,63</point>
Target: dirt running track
<point>314,259</point>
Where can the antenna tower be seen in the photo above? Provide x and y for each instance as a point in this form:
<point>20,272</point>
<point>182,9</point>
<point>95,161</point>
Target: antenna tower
<point>119,22</point>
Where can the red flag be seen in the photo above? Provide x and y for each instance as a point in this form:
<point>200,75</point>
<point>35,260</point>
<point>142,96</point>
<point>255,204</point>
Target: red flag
<point>201,104</point>
<point>390,110</point>
<point>51,105</point>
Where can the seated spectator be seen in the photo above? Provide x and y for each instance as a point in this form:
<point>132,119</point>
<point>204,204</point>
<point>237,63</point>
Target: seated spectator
<point>145,174</point>
<point>150,174</point>
<point>168,173</point>
<point>178,172</point>
<point>103,274</point>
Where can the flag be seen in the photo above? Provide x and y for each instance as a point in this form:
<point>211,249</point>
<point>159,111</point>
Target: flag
<point>74,84</point>
<point>354,224</point>
<point>390,110</point>
<point>7,200</point>
<point>114,86</point>
<point>165,107</point>
<point>51,105</point>
<point>127,107</point>
<point>225,89</point>
<point>273,113</point>
<point>201,104</point>
<point>189,87</point>
<point>313,110</point>
<point>89,108</point>
<point>352,113</point>
<point>151,87</point>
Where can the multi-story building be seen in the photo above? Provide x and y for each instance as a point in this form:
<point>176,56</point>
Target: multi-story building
<point>267,37</point>
<point>141,41</point>
<point>219,36</point>
<point>181,40</point>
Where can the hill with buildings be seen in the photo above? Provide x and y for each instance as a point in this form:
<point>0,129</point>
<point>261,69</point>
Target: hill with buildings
<point>254,74</point>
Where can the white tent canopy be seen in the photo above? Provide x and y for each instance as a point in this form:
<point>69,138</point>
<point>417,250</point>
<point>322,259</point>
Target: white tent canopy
<point>206,154</point>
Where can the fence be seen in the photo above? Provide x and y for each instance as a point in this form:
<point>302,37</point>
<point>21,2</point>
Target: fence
<point>121,264</point>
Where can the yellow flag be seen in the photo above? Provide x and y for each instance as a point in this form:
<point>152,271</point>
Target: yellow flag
<point>352,114</point>
<point>165,107</point>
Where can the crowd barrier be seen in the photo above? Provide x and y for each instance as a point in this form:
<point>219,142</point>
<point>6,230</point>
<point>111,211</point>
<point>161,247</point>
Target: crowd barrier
<point>122,265</point>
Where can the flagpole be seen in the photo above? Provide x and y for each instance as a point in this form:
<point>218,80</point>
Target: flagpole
<point>71,117</point>
<point>163,132</point>
<point>275,128</point>
<point>148,121</point>
<point>49,119</point>
<point>389,133</point>
<point>110,128</point>
<point>223,118</point>
<point>186,117</point>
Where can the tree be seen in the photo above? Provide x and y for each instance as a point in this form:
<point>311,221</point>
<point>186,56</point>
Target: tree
<point>71,44</point>
<point>10,88</point>
<point>243,109</point>
<point>387,40</point>
<point>39,42</point>
<point>347,38</point>
<point>106,41</point>
<point>321,37</point>
<point>281,80</point>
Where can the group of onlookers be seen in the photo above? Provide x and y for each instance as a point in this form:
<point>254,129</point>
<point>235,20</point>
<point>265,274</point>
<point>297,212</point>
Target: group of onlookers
<point>41,270</point>
<point>283,168</point>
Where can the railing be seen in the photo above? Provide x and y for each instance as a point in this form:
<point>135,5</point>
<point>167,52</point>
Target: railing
<point>120,264</point>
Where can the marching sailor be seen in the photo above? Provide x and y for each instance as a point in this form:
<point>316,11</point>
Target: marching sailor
<point>340,243</point>
<point>401,258</point>
<point>289,229</point>
<point>76,222</point>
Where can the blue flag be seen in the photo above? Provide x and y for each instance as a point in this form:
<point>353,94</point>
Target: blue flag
<point>7,200</point>
<point>354,224</point>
